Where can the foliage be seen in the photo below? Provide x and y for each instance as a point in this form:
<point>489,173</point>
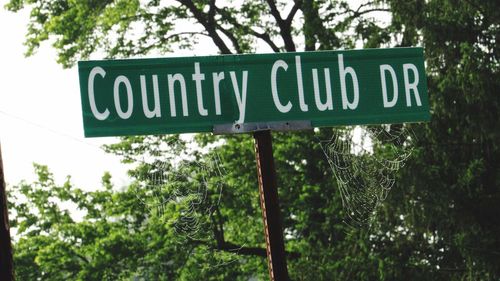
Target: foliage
<point>134,28</point>
<point>440,222</point>
<point>110,235</point>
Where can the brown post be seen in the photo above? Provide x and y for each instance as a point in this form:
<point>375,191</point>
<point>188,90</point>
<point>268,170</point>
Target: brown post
<point>268,190</point>
<point>6,264</point>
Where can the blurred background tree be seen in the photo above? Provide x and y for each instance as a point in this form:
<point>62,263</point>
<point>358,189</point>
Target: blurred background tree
<point>440,222</point>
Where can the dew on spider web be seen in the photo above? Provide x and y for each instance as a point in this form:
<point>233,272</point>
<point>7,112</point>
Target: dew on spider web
<point>193,186</point>
<point>365,161</point>
<point>190,184</point>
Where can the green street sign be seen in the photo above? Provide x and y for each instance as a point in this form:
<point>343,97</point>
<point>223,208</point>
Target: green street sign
<point>239,93</point>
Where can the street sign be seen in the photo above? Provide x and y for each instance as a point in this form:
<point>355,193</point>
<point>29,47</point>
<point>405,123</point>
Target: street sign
<point>229,93</point>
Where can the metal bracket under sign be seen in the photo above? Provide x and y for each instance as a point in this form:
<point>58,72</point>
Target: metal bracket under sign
<point>239,128</point>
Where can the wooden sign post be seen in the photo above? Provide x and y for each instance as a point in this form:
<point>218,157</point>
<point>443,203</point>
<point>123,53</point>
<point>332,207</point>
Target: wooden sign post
<point>269,204</point>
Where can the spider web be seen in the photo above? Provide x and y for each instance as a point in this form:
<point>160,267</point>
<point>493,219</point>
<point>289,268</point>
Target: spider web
<point>191,183</point>
<point>365,161</point>
<point>193,186</point>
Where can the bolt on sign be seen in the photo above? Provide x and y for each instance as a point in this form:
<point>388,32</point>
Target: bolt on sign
<point>227,93</point>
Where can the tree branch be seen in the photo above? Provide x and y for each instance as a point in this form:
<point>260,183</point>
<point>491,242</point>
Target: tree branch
<point>218,228</point>
<point>223,245</point>
<point>208,22</point>
<point>266,38</point>
<point>263,36</point>
<point>285,26</point>
<point>294,10</point>
<point>361,6</point>
<point>231,37</point>
<point>84,259</point>
<point>161,41</point>
<point>245,251</point>
<point>241,250</point>
<point>211,12</point>
<point>274,11</point>
<point>359,13</point>
<point>310,28</point>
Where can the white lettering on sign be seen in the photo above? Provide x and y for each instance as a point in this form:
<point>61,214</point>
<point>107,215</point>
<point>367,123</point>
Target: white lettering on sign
<point>217,77</point>
<point>411,86</point>
<point>198,77</point>
<point>274,87</point>
<point>241,99</point>
<point>156,112</point>
<point>383,69</point>
<point>123,97</point>
<point>93,107</point>
<point>300,84</point>
<point>171,91</point>
<point>328,104</point>
<point>130,99</point>
<point>343,71</point>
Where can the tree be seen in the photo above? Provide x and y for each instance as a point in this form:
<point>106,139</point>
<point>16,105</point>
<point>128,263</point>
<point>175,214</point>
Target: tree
<point>453,179</point>
<point>116,236</point>
<point>439,223</point>
<point>112,27</point>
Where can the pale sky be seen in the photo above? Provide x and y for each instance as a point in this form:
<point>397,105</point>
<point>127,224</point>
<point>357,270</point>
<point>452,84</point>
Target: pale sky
<point>40,115</point>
